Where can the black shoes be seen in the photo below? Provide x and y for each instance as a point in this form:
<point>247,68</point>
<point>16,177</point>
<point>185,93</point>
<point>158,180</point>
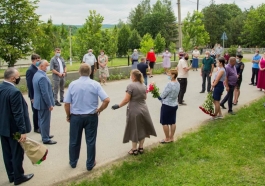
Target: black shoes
<point>61,101</point>
<point>23,179</point>
<point>251,84</point>
<point>51,136</point>
<point>182,104</point>
<point>223,107</point>
<point>50,142</point>
<point>202,91</point>
<point>37,131</point>
<point>57,103</point>
<point>231,112</point>
<point>255,84</point>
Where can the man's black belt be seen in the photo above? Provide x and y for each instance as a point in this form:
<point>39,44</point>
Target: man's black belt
<point>85,114</point>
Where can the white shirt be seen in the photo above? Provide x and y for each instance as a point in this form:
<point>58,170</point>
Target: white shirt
<point>9,82</point>
<point>196,53</point>
<point>61,65</point>
<point>182,73</point>
<point>89,59</point>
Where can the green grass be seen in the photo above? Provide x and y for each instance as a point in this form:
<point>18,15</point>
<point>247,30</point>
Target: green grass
<point>224,152</point>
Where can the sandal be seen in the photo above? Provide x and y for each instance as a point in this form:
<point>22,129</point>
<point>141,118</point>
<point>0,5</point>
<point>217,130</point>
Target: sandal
<point>141,150</point>
<point>164,142</point>
<point>133,152</point>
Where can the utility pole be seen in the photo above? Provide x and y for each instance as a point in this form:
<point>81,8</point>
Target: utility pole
<point>179,25</point>
<point>197,5</point>
<point>70,30</point>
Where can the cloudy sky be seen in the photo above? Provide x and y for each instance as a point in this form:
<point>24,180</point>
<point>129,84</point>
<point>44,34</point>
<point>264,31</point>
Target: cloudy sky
<point>75,12</point>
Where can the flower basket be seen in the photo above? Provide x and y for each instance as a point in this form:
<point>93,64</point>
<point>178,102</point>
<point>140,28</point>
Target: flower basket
<point>207,106</point>
<point>35,151</point>
<point>153,89</point>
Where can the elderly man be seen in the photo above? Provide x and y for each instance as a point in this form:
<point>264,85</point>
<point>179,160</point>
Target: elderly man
<point>29,76</point>
<point>91,60</point>
<point>43,101</point>
<point>183,72</point>
<point>83,114</point>
<point>231,81</point>
<point>59,70</point>
<point>206,71</point>
<point>14,117</point>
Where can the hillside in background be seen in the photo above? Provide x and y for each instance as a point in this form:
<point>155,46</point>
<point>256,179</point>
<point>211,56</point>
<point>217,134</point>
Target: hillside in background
<point>104,26</point>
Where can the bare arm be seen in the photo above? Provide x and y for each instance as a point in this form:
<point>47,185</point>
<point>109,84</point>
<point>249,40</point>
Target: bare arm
<point>67,111</point>
<point>125,100</point>
<point>104,105</point>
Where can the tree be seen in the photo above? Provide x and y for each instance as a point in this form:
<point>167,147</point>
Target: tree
<point>109,42</point>
<point>253,30</point>
<point>146,43</point>
<point>194,33</point>
<point>89,35</point>
<point>159,43</point>
<point>17,22</point>
<point>134,40</point>
<point>123,36</point>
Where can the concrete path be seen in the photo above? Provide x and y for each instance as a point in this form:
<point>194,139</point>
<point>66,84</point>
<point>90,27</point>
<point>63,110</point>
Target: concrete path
<point>111,129</point>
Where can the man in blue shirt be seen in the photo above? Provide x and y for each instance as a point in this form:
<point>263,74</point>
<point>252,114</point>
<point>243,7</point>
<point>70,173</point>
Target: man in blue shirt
<point>142,68</point>
<point>81,107</point>
<point>255,68</point>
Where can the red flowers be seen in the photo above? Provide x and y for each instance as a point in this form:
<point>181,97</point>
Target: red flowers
<point>207,106</point>
<point>154,90</point>
<point>151,87</point>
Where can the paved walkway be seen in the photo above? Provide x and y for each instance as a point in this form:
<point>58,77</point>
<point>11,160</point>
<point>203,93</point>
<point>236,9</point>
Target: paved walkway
<point>111,128</point>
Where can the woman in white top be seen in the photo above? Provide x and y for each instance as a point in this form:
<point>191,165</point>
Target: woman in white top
<point>195,58</point>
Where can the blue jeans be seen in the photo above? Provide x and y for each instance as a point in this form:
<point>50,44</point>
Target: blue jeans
<point>90,124</point>
<point>145,80</point>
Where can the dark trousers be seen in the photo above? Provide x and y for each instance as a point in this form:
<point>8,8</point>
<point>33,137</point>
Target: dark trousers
<point>255,72</point>
<point>206,74</point>
<point>90,124</point>
<point>183,86</point>
<point>229,98</point>
<point>92,72</point>
<point>13,156</point>
<point>44,117</point>
<point>35,117</point>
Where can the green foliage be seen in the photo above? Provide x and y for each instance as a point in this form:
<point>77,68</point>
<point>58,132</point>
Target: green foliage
<point>67,83</point>
<point>17,22</point>
<point>108,42</point>
<point>123,38</point>
<point>22,88</point>
<point>194,33</point>
<point>223,152</point>
<point>232,50</point>
<point>172,47</point>
<point>89,35</point>
<point>134,40</point>
<point>159,43</point>
<point>254,27</point>
<point>146,43</point>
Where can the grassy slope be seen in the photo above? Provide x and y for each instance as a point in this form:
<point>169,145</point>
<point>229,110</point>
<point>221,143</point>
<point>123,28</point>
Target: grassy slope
<point>224,152</point>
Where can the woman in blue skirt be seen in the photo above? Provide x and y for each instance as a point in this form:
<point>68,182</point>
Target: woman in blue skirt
<point>195,58</point>
<point>169,99</point>
<point>218,87</point>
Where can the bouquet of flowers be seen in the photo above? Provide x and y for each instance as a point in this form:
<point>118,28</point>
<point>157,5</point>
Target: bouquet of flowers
<point>153,89</point>
<point>35,151</point>
<point>207,106</point>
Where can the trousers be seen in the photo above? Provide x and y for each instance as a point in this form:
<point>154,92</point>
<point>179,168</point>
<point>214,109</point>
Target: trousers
<point>58,84</point>
<point>35,117</point>
<point>90,124</point>
<point>183,86</point>
<point>206,75</point>
<point>44,124</point>
<point>13,156</point>
<point>254,77</point>
<point>229,98</point>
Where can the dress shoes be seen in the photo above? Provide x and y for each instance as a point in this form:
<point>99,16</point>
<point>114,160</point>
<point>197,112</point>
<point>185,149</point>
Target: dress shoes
<point>51,136</point>
<point>202,91</point>
<point>231,112</point>
<point>50,142</point>
<point>223,107</point>
<point>251,83</point>
<point>37,131</point>
<point>57,103</point>
<point>61,101</point>
<point>23,179</point>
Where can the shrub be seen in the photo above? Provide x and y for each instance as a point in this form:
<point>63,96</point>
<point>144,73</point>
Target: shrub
<point>232,50</point>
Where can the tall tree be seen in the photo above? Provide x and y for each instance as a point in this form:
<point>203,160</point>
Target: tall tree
<point>18,21</point>
<point>89,35</point>
<point>146,43</point>
<point>194,33</point>
<point>123,38</point>
<point>159,43</point>
<point>134,40</point>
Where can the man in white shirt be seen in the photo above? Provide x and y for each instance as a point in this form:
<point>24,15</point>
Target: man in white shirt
<point>91,60</point>
<point>218,51</point>
<point>58,68</point>
<point>183,71</point>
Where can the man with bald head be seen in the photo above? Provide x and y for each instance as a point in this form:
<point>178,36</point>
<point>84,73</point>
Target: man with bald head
<point>91,60</point>
<point>43,101</point>
<point>14,117</point>
<point>231,75</point>
<point>82,110</point>
<point>206,71</point>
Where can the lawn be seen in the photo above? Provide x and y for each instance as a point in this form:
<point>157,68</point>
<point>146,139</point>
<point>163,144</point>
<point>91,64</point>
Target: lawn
<point>223,152</point>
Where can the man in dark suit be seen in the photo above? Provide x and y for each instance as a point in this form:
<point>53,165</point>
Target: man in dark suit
<point>43,101</point>
<point>29,76</point>
<point>14,117</point>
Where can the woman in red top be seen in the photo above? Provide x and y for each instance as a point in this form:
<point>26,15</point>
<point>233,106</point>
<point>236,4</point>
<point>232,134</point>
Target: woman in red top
<point>226,56</point>
<point>151,57</point>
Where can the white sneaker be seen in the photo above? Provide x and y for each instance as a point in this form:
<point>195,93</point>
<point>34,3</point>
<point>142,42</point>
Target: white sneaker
<point>220,117</point>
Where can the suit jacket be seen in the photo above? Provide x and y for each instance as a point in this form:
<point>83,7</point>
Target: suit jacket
<point>54,64</point>
<point>29,76</point>
<point>14,116</point>
<point>43,96</point>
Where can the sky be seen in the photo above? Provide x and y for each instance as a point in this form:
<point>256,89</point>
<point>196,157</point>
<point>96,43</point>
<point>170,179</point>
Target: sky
<point>74,12</point>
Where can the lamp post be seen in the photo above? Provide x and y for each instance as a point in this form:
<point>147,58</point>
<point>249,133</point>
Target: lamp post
<point>179,25</point>
<point>70,30</point>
